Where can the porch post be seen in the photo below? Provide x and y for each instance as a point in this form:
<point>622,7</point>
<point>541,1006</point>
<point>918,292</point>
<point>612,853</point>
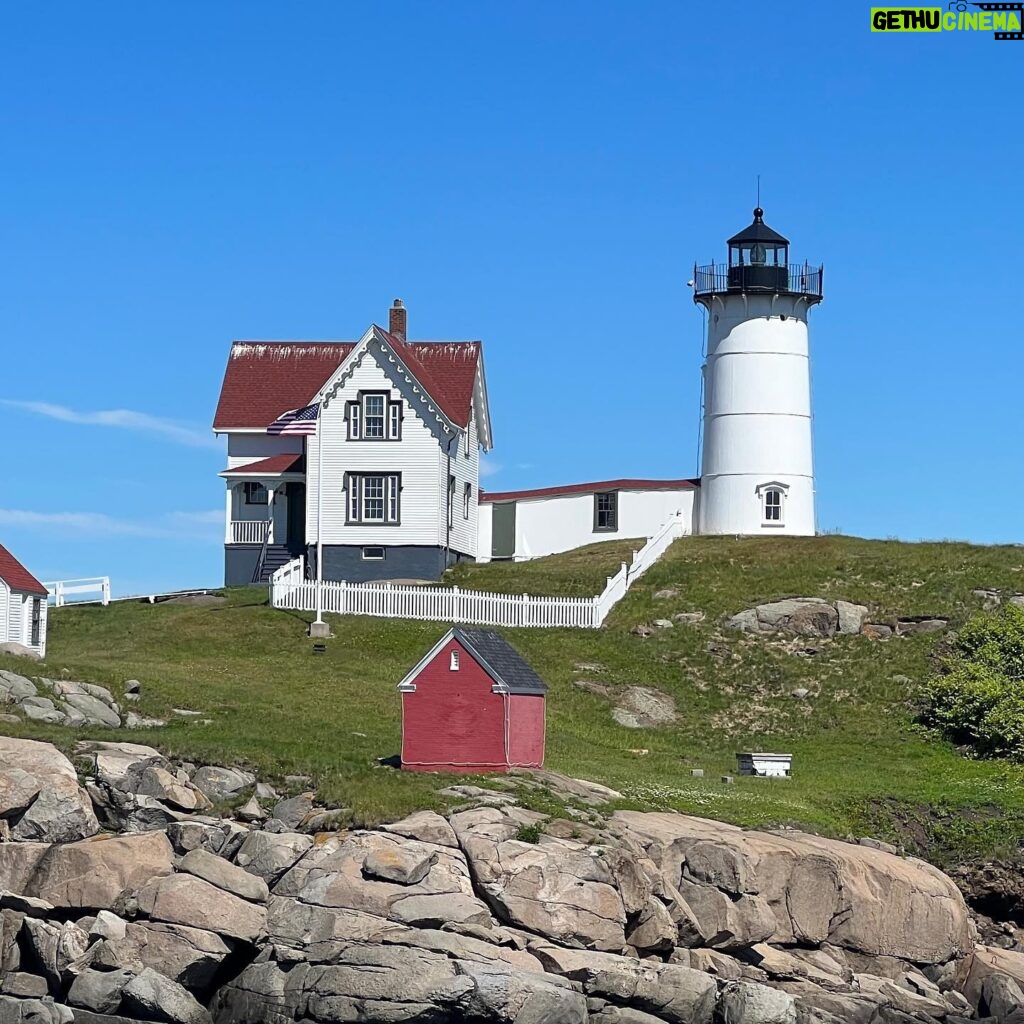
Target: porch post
<point>271,488</point>
<point>229,508</point>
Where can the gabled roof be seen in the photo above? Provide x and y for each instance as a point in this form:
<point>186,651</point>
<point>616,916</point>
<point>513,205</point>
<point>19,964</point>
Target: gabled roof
<point>591,488</point>
<point>495,655</point>
<point>273,466</point>
<point>17,577</point>
<point>265,379</point>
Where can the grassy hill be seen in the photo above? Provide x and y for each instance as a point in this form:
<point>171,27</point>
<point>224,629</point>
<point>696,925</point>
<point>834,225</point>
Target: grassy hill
<point>861,766</point>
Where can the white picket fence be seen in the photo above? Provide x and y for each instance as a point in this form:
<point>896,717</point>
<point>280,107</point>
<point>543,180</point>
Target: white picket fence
<point>96,585</point>
<point>290,589</point>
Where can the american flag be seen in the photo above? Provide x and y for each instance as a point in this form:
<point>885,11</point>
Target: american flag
<point>297,421</point>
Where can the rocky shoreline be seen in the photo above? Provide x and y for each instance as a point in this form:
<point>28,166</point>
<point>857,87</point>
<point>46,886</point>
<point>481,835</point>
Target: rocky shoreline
<point>125,898</point>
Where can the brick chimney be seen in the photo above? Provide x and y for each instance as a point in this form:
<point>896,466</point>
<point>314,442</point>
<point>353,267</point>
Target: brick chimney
<point>396,319</point>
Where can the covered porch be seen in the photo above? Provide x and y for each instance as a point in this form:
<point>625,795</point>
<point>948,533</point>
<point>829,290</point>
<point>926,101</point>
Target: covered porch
<point>264,516</point>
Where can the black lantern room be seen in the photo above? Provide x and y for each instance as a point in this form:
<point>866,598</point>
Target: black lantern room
<point>759,258</point>
<point>758,262</point>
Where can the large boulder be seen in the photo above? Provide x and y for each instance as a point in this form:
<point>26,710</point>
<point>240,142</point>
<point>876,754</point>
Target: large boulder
<point>154,997</point>
<point>91,874</point>
<point>61,811</point>
<point>225,875</point>
<point>270,854</point>
<point>396,983</point>
<point>560,888</point>
<point>332,874</point>
<point>185,899</point>
<point>222,784</point>
<point>425,826</point>
<point>800,616</point>
<point>817,890</point>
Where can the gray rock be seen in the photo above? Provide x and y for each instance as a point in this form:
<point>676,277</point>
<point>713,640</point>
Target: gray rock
<point>99,991</point>
<point>294,810</point>
<point>665,595</point>
<point>654,931</point>
<point>427,827</point>
<point>743,1002</point>
<point>916,625</point>
<point>95,710</point>
<point>157,998</point>
<point>14,688</point>
<point>800,693</point>
<point>196,835</point>
<point>17,791</point>
<point>270,855</point>
<point>62,811</point>
<point>851,617</point>
<point>1001,995</point>
<point>398,864</point>
<point>187,900</point>
<point>43,713</point>
<point>251,810</point>
<point>107,926</point>
<point>878,844</point>
<point>265,792</point>
<point>221,784</point>
<point>132,686</point>
<point>189,956</point>
<point>160,784</point>
<point>134,721</point>
<point>745,621</point>
<point>688,618</point>
<point>641,707</point>
<point>664,623</point>
<point>34,1011</point>
<point>225,875</point>
<point>27,905</point>
<point>436,910</point>
<point>22,985</point>
<point>54,947</point>
<point>876,630</point>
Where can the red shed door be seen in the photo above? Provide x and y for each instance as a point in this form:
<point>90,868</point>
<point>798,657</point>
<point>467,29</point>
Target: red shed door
<point>454,721</point>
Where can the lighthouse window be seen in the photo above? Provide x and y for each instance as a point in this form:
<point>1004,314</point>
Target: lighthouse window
<point>606,511</point>
<point>773,506</point>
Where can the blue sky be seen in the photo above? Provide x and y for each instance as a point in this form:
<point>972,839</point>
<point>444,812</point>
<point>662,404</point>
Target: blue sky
<point>541,176</point>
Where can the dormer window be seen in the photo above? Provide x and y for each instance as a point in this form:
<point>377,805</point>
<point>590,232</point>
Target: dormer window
<point>374,416</point>
<point>773,503</point>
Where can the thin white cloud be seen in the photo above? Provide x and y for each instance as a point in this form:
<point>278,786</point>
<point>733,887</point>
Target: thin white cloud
<point>489,468</point>
<point>123,419</point>
<point>202,526</point>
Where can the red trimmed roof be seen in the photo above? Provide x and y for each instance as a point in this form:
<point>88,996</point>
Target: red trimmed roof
<point>286,463</point>
<point>600,485</point>
<point>265,379</point>
<point>16,576</point>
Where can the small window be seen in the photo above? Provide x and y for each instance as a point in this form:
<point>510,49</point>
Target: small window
<point>773,503</point>
<point>37,621</point>
<point>255,493</point>
<point>465,443</point>
<point>773,506</point>
<point>453,664</point>
<point>451,501</point>
<point>606,511</point>
<point>467,500</point>
<point>373,554</point>
<point>394,421</point>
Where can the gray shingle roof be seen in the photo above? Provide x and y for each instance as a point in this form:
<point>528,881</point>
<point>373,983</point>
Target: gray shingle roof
<point>501,660</point>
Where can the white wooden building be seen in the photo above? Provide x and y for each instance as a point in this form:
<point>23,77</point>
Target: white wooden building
<point>22,605</point>
<point>520,525</point>
<point>366,450</point>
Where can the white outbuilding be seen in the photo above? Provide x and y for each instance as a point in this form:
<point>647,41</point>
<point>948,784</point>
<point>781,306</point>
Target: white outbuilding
<point>22,606</point>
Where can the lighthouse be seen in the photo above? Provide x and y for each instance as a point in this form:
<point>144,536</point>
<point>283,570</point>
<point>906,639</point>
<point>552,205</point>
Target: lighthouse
<point>757,471</point>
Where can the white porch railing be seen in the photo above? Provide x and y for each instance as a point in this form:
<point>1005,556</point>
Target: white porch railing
<point>289,589</point>
<point>249,531</point>
<point>60,590</point>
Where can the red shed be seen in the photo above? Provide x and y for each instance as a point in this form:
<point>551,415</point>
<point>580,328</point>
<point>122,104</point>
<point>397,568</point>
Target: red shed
<point>472,705</point>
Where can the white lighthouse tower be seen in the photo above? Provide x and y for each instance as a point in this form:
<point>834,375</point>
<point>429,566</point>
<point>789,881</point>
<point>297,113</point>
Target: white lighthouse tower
<point>757,474</point>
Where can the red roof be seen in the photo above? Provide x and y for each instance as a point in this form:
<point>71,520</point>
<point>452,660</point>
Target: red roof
<point>287,463</point>
<point>265,379</point>
<point>16,576</point>
<point>600,485</point>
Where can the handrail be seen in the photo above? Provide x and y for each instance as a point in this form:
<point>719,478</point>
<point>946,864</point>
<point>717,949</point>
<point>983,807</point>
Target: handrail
<point>258,571</point>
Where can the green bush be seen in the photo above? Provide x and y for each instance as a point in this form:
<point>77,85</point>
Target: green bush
<point>977,698</point>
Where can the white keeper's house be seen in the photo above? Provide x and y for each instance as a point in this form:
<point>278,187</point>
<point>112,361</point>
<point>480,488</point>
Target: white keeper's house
<point>22,606</point>
<point>369,451</point>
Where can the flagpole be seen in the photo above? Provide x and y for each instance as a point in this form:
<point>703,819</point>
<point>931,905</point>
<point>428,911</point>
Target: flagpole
<point>318,628</point>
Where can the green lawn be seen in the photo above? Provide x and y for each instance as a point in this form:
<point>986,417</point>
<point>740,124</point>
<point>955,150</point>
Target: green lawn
<point>861,766</point>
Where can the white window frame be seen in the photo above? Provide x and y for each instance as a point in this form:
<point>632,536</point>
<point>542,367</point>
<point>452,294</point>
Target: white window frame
<point>251,485</point>
<point>453,661</point>
<point>394,421</point>
<point>465,443</point>
<point>390,499</point>
<point>763,491</point>
<point>373,558</point>
<point>467,499</point>
<point>375,396</point>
